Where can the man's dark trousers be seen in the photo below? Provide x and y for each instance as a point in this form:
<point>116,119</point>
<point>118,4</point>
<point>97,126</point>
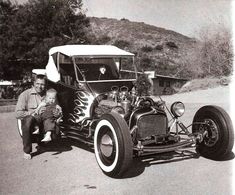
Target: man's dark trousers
<point>28,123</point>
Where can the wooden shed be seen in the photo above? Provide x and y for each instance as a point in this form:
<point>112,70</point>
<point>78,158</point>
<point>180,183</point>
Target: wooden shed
<point>165,85</point>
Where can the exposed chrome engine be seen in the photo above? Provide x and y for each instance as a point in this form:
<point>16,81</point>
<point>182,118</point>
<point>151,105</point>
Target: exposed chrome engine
<point>146,119</point>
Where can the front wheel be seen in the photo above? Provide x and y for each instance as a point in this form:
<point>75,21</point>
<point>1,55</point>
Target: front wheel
<point>113,145</point>
<point>216,127</point>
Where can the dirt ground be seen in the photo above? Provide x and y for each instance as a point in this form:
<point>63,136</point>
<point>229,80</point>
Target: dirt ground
<point>67,167</point>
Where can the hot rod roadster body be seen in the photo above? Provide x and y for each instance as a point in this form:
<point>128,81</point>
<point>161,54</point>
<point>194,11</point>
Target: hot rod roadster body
<point>101,107</point>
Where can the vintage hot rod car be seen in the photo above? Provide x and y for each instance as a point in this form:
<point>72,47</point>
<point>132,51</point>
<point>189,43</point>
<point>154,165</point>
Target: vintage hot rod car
<point>101,107</point>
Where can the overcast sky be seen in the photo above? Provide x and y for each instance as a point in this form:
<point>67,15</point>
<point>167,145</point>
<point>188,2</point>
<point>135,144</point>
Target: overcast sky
<point>183,16</point>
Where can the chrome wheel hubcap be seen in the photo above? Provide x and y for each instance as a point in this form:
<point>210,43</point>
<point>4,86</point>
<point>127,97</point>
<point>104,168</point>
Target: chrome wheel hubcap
<point>106,145</point>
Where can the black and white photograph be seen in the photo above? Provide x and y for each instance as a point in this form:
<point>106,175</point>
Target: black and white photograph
<point>117,97</point>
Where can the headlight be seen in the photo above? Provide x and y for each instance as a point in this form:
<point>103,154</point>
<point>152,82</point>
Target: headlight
<point>177,109</point>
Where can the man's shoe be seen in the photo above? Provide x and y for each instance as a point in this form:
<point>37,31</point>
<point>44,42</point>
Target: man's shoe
<point>27,156</point>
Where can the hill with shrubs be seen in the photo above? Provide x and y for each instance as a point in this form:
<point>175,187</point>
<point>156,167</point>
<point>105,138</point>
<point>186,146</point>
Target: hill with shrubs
<point>28,34</point>
<point>165,51</point>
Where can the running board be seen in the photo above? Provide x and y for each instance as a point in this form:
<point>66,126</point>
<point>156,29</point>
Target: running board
<point>161,149</point>
<point>80,139</point>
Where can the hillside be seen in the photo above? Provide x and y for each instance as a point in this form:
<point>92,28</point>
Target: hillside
<point>155,48</point>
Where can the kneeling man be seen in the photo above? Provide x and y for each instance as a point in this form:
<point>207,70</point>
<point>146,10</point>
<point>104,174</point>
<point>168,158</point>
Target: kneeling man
<point>28,105</point>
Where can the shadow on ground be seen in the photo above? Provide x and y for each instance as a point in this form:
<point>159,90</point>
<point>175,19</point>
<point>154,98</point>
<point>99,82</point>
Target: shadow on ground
<point>57,146</point>
<point>60,145</point>
<point>229,156</point>
<point>140,163</point>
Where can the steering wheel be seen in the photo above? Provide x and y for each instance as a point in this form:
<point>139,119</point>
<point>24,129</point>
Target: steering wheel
<point>145,102</point>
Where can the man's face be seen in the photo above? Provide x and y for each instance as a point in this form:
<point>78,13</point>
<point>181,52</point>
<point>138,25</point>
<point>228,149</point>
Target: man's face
<point>39,85</point>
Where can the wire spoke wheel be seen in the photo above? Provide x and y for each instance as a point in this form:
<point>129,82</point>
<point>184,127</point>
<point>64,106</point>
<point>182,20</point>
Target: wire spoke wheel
<point>211,131</point>
<point>216,126</point>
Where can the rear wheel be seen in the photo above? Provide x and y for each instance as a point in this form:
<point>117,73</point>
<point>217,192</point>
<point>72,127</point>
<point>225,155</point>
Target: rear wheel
<point>113,145</point>
<point>216,126</point>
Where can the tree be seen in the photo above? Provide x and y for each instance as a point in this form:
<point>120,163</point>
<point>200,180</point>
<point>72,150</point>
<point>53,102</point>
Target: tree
<point>212,55</point>
<point>31,29</point>
<point>216,53</point>
<point>7,11</point>
<point>143,85</point>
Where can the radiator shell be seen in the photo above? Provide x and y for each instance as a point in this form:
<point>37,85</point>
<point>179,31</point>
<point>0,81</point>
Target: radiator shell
<point>152,124</point>
<point>149,122</point>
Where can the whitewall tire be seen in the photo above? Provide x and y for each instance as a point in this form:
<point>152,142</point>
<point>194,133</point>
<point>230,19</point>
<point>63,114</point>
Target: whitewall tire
<point>113,145</point>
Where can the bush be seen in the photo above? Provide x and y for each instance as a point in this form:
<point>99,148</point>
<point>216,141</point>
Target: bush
<point>172,45</point>
<point>121,44</point>
<point>159,47</point>
<point>124,19</point>
<point>145,63</point>
<point>104,39</point>
<point>147,49</point>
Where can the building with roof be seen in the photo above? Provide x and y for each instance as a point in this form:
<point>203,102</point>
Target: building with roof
<point>165,85</point>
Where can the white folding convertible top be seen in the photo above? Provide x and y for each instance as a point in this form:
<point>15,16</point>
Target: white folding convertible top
<point>82,51</point>
<point>90,50</point>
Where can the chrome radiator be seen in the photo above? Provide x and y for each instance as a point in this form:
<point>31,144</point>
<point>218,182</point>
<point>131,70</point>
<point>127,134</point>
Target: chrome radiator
<point>151,124</point>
